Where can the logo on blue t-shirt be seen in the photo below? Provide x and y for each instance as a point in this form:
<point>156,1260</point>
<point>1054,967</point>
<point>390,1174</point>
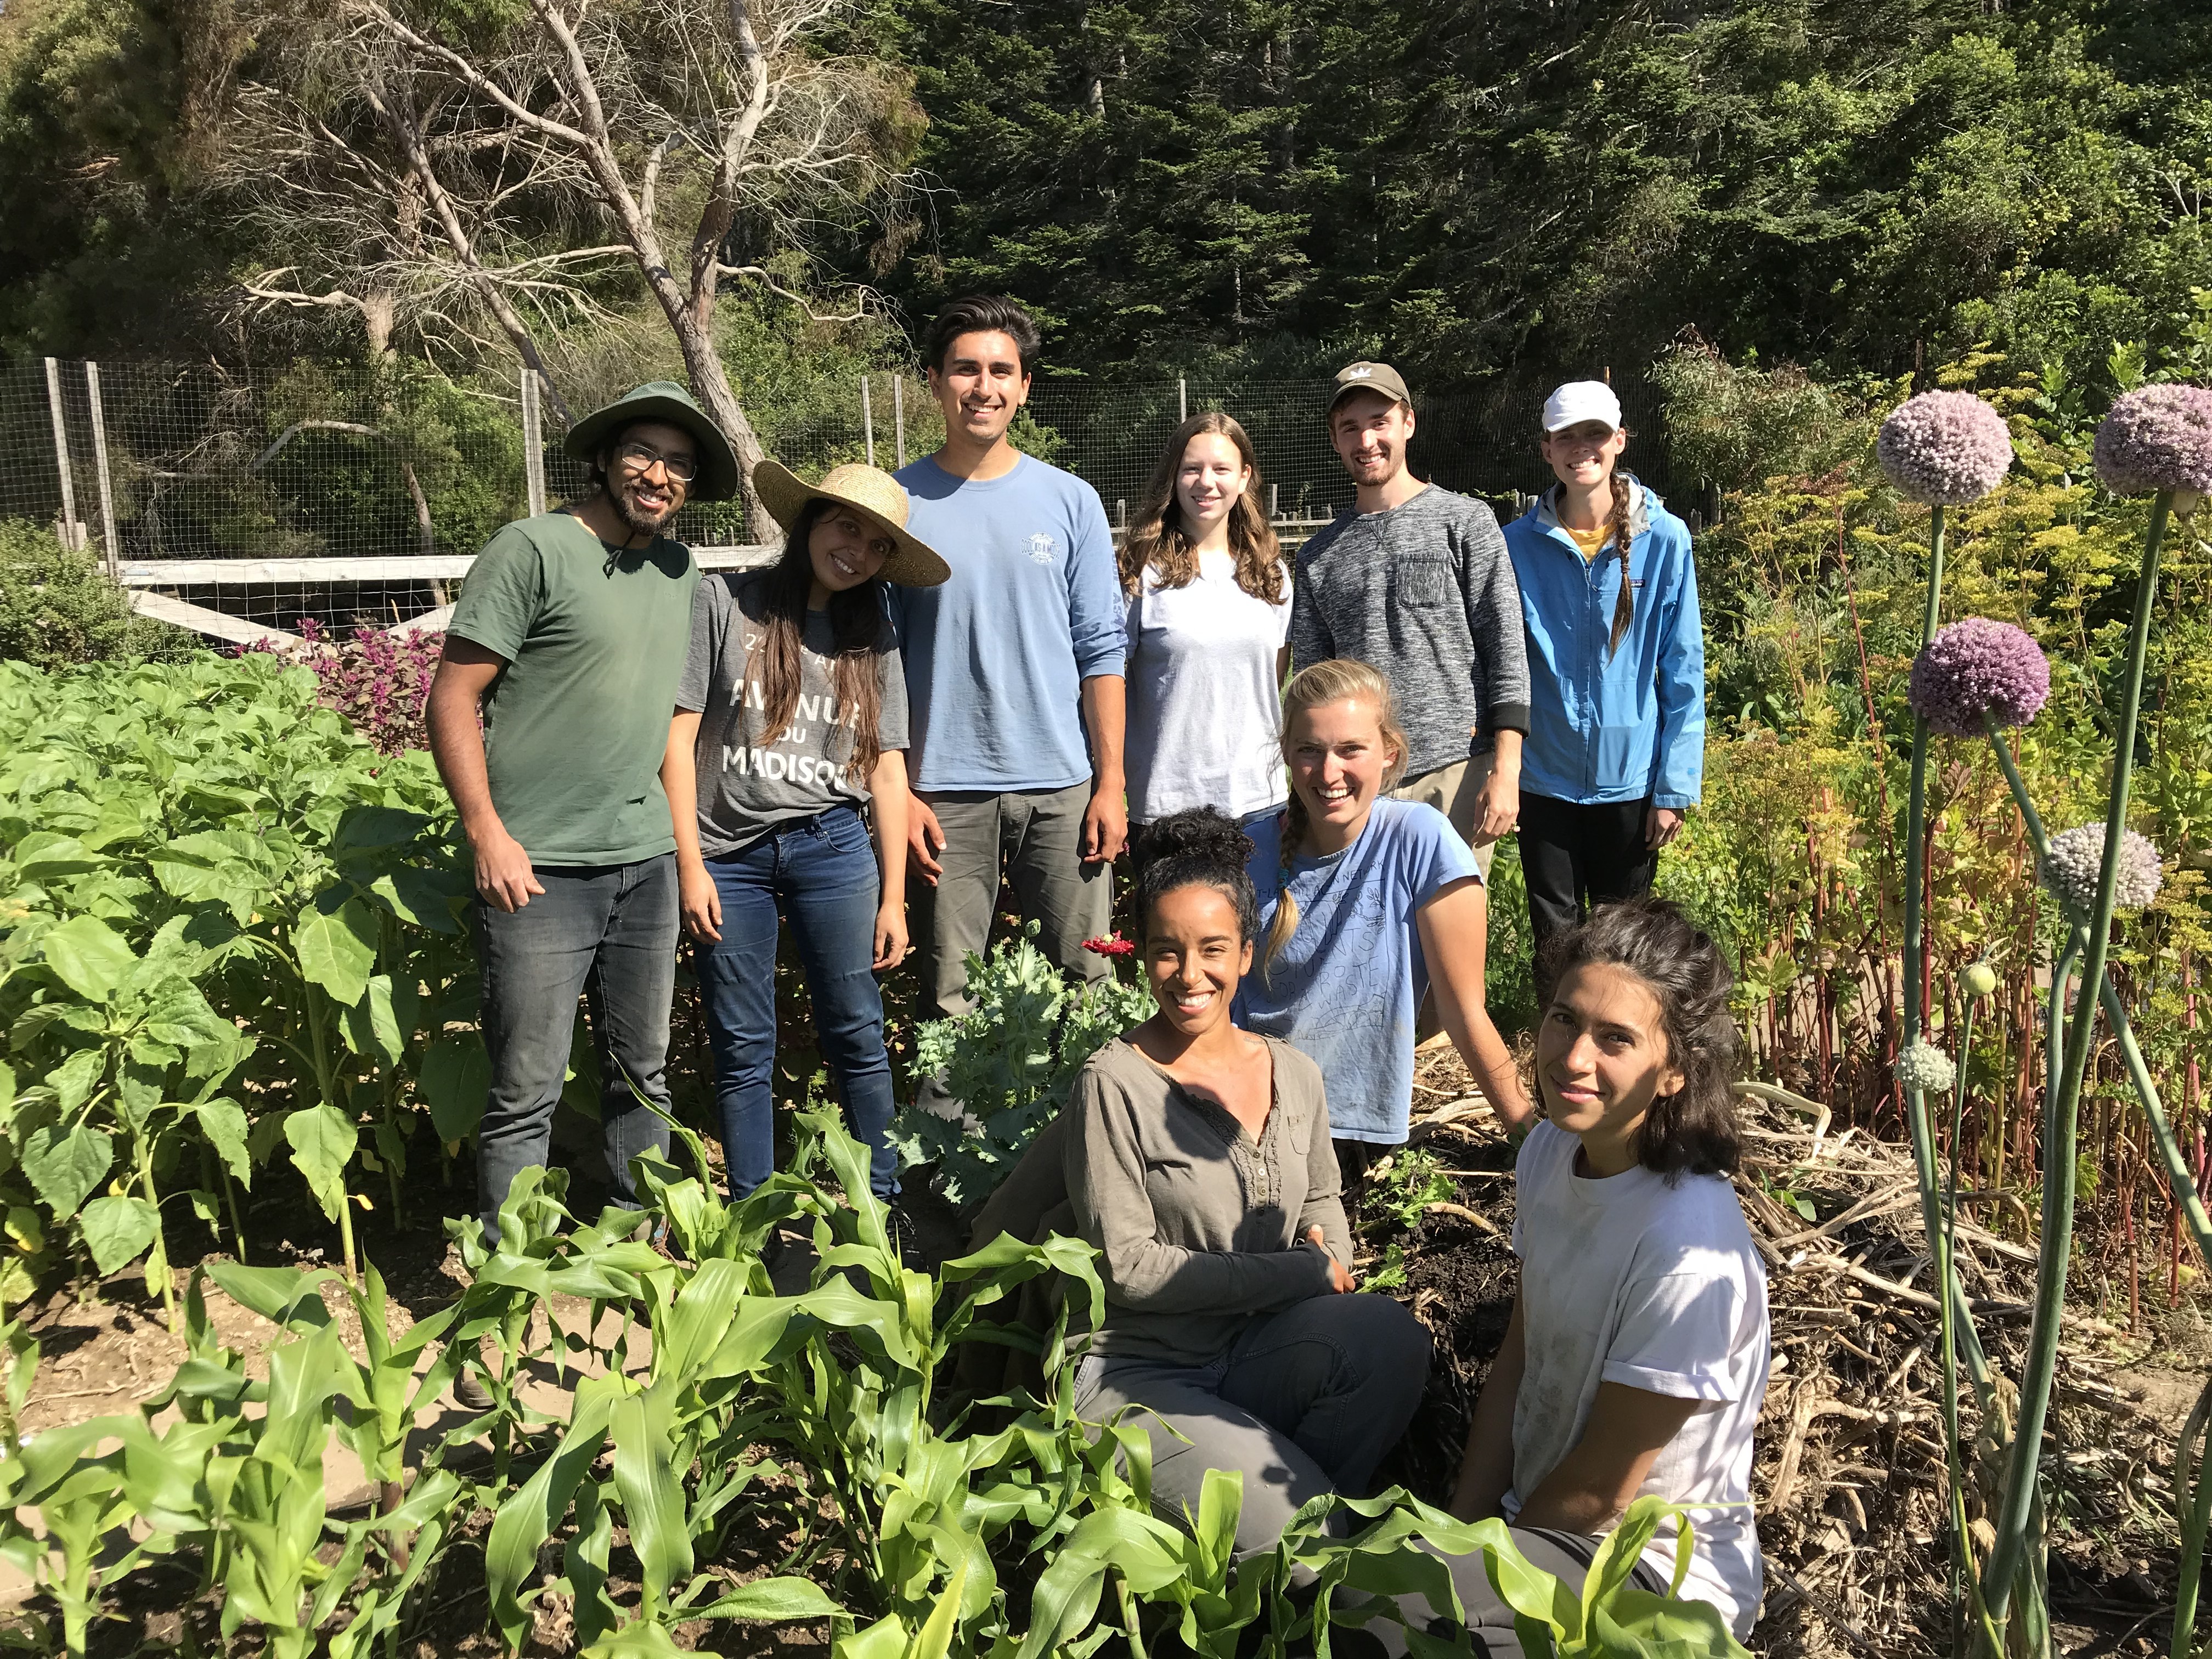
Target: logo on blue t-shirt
<point>1043,546</point>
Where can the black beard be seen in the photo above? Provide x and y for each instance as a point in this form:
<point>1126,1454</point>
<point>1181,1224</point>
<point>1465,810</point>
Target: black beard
<point>641,523</point>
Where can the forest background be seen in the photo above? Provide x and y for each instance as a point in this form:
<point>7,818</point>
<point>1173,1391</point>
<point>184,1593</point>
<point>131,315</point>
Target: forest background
<point>1773,220</point>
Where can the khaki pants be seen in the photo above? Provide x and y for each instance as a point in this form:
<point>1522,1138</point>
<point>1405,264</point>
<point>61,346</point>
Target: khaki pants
<point>1455,792</point>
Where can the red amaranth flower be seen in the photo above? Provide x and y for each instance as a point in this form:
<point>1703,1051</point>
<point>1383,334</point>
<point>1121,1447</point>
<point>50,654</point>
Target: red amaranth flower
<point>1112,945</point>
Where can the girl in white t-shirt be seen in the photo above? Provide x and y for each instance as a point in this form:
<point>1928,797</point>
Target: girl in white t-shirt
<point>1209,617</point>
<point>1637,1357</point>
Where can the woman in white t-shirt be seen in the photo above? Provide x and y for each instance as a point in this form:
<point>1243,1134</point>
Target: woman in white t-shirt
<point>1209,598</point>
<point>1636,1361</point>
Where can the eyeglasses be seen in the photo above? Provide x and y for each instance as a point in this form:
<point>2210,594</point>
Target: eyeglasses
<point>641,458</point>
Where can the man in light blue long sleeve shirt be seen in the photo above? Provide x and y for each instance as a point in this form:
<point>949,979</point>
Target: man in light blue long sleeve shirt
<point>1014,671</point>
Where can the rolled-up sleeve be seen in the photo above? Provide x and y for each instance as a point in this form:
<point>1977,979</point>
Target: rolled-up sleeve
<point>1105,1165</point>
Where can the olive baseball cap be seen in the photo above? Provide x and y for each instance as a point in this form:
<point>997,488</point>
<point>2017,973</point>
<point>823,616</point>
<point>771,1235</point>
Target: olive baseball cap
<point>1369,377</point>
<point>669,403</point>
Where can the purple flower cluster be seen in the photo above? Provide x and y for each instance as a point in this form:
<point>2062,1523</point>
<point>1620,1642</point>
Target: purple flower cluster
<point>378,681</point>
<point>1945,448</point>
<point>1975,667</point>
<point>2157,437</point>
<point>2077,859</point>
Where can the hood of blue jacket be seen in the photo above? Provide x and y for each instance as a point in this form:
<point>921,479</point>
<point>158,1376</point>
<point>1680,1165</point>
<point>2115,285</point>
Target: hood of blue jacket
<point>1609,724</point>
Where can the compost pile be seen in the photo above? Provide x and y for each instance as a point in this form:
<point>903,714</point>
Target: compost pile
<point>1849,1477</point>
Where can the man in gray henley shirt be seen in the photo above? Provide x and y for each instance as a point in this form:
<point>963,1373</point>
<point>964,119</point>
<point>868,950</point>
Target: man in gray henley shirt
<point>1416,582</point>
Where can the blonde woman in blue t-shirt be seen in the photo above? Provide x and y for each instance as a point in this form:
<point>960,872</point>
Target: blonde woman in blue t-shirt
<point>1209,619</point>
<point>1368,903</point>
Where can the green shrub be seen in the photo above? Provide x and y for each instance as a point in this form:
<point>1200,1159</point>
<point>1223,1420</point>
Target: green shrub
<point>58,608</point>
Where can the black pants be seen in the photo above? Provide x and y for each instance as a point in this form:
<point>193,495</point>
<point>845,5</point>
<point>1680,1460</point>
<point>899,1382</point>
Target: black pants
<point>1576,858</point>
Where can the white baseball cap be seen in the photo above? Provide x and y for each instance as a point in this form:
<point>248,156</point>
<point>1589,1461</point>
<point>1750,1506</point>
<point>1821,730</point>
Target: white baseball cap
<point>1578,401</point>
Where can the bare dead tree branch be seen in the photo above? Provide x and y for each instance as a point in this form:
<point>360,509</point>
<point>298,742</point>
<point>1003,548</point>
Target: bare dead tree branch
<point>497,187</point>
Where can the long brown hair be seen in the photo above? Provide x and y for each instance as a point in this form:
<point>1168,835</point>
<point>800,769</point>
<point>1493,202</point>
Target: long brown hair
<point>1694,1129</point>
<point>1159,539</point>
<point>1335,680</point>
<point>859,631</point>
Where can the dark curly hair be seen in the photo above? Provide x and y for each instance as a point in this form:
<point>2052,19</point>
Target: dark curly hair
<point>1201,847</point>
<point>1694,1130</point>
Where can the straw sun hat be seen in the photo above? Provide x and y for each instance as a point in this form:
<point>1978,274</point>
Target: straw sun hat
<point>869,491</point>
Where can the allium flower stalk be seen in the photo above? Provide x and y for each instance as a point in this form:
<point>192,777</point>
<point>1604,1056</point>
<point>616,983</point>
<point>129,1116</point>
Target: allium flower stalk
<point>2157,437</point>
<point>1979,667</point>
<point>1946,448</point>
<point>1925,1067</point>
<point>2077,858</point>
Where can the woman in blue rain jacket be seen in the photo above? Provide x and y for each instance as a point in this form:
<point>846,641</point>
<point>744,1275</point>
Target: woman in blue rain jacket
<point>1615,752</point>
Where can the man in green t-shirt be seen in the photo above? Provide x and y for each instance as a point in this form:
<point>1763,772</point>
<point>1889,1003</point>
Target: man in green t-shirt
<point>570,635</point>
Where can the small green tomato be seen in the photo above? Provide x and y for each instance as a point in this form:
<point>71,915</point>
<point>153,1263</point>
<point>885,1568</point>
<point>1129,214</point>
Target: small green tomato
<point>1978,980</point>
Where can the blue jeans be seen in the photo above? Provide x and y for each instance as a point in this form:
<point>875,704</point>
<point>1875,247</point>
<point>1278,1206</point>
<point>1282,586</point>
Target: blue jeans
<point>821,874</point>
<point>607,933</point>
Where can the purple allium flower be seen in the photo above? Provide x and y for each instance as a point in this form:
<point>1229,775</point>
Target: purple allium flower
<point>2078,857</point>
<point>1945,448</point>
<point>1978,666</point>
<point>1926,1068</point>
<point>2157,437</point>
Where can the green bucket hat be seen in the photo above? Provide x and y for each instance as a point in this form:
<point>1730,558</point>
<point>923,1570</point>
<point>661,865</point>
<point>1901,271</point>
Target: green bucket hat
<point>664,401</point>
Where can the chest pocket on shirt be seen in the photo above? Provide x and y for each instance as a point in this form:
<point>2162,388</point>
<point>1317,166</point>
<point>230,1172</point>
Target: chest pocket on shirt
<point>1425,583</point>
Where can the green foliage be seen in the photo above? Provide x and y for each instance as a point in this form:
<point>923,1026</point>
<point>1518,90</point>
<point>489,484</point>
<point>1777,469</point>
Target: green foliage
<point>57,607</point>
<point>917,1529</point>
<point>1461,186</point>
<point>332,483</point>
<point>1409,1181</point>
<point>1008,1063</point>
<point>212,891</point>
<point>104,130</point>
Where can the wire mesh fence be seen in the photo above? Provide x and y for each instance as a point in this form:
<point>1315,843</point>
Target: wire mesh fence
<point>241,503</point>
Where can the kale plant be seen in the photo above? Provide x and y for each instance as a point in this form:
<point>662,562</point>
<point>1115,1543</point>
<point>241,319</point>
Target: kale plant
<point>1009,1063</point>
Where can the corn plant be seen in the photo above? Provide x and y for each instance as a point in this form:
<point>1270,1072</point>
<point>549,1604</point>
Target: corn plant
<point>1400,1558</point>
<point>241,1489</point>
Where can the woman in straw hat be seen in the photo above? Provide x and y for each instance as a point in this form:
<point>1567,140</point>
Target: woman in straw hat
<point>791,723</point>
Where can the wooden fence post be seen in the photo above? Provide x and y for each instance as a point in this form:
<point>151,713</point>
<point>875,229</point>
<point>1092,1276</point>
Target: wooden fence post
<point>533,443</point>
<point>868,418</point>
<point>898,417</point>
<point>100,461</point>
<point>72,530</point>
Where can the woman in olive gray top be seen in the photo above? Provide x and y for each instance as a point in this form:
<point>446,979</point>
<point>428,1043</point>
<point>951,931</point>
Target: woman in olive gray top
<point>1197,1158</point>
<point>790,723</point>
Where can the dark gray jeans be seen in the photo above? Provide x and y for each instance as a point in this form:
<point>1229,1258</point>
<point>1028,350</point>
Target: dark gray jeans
<point>608,934</point>
<point>1306,1401</point>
